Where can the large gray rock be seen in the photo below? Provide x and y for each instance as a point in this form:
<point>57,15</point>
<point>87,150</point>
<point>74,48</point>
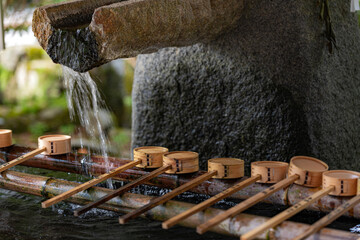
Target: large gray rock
<point>268,90</point>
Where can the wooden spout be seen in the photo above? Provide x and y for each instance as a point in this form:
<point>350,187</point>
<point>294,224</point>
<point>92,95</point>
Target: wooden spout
<point>84,34</point>
<point>66,15</point>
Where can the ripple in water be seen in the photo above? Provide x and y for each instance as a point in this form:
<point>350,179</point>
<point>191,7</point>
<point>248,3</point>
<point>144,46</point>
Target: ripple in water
<point>85,103</point>
<point>355,229</point>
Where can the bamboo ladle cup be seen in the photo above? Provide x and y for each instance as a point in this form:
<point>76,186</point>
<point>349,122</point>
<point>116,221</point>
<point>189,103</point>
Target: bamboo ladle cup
<point>48,145</point>
<point>180,162</point>
<point>144,159</point>
<point>151,157</point>
<point>227,168</point>
<point>332,216</point>
<point>303,170</point>
<point>5,138</point>
<point>336,183</point>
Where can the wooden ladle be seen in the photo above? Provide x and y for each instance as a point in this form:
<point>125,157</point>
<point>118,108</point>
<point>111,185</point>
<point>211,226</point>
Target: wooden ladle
<point>142,158</point>
<point>336,183</point>
<point>5,138</point>
<point>180,162</point>
<point>48,145</point>
<point>227,168</point>
<point>353,179</point>
<point>304,170</point>
<point>150,157</point>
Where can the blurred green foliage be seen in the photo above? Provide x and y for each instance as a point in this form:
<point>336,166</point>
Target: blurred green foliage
<point>121,137</point>
<point>5,76</point>
<point>33,53</point>
<point>128,77</point>
<point>38,129</point>
<point>128,101</point>
<point>31,94</point>
<point>21,4</point>
<point>67,129</point>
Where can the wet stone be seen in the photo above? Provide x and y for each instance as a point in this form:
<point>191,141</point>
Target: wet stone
<point>76,49</point>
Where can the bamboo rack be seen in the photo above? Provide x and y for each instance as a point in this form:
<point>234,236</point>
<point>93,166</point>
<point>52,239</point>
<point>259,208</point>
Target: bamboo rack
<point>46,186</point>
<point>82,164</point>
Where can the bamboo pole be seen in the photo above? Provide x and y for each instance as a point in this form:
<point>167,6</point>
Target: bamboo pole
<point>246,204</point>
<point>287,213</point>
<point>88,184</point>
<point>21,159</point>
<point>211,201</point>
<point>95,165</point>
<point>162,199</point>
<point>121,190</point>
<point>46,186</point>
<point>323,222</point>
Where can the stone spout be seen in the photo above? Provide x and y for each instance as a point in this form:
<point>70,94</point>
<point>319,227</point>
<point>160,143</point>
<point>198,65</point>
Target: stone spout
<point>84,34</point>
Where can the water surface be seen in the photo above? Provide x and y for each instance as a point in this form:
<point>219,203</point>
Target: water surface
<point>22,218</point>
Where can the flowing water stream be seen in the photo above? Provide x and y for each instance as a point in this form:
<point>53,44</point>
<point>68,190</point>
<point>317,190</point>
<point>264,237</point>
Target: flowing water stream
<point>86,104</point>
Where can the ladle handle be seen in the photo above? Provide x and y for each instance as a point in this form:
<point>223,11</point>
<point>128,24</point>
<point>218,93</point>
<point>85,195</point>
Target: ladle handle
<point>121,190</point>
<point>164,198</point>
<point>211,201</point>
<point>246,204</point>
<point>288,213</point>
<point>88,184</point>
<point>21,159</point>
<point>326,220</point>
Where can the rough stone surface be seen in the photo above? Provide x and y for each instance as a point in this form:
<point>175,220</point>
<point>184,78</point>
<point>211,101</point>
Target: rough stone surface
<point>128,28</point>
<point>131,27</point>
<point>266,91</point>
<point>74,49</point>
<point>70,15</point>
